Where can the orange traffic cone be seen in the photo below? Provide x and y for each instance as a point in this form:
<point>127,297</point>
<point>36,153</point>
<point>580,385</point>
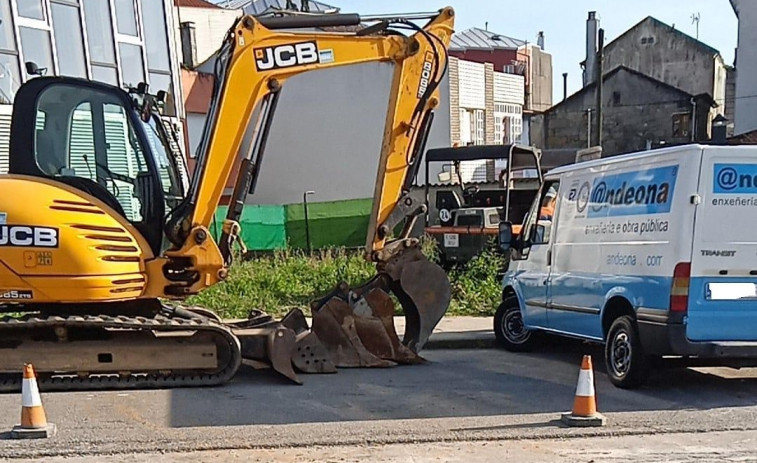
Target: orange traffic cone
<point>33,420</point>
<point>585,404</point>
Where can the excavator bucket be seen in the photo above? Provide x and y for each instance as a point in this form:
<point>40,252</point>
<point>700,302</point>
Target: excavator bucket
<point>356,326</point>
<point>309,356</point>
<point>423,290</point>
<point>335,325</point>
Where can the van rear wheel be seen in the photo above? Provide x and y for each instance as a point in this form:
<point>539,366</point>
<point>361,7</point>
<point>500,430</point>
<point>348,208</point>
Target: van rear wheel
<point>509,329</point>
<point>627,365</point>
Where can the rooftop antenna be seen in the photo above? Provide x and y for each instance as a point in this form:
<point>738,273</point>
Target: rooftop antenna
<point>486,25</point>
<point>695,18</point>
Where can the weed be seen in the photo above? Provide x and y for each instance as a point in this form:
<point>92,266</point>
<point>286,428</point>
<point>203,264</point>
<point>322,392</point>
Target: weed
<point>291,278</point>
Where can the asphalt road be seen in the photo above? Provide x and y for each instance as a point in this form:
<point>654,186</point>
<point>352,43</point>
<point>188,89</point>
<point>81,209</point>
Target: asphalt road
<point>474,395</point>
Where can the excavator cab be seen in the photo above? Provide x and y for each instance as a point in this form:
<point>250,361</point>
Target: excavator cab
<point>109,144</point>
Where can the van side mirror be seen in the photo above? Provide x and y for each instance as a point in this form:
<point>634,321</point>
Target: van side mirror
<point>505,236</point>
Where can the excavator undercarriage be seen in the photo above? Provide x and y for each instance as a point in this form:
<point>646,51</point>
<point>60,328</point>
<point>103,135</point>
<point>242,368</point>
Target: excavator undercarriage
<point>151,345</point>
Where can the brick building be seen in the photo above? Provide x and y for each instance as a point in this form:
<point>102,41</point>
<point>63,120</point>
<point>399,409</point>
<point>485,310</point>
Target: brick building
<point>640,112</point>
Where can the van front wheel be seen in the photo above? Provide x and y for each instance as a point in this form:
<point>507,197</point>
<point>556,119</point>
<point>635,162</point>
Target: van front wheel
<point>509,328</point>
<point>627,365</point>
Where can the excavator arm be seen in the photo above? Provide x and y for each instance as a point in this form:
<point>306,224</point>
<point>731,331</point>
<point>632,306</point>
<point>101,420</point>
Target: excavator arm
<point>354,325</point>
<point>254,64</point>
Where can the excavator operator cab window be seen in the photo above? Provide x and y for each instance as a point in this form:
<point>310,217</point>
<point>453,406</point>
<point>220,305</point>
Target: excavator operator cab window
<point>88,135</point>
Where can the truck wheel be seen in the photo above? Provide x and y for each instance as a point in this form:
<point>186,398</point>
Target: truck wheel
<point>509,328</point>
<point>627,365</point>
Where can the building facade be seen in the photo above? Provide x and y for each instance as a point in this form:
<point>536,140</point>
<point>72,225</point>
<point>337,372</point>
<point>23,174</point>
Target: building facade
<point>668,55</point>
<point>745,114</point>
<point>485,107</point>
<point>639,113</point>
<point>510,56</point>
<point>120,42</point>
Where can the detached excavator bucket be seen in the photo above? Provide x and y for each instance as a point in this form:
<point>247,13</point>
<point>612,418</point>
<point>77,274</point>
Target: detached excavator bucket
<point>423,289</point>
<point>356,326</point>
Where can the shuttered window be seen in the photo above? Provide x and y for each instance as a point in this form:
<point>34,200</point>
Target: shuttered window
<point>5,137</point>
<point>122,158</point>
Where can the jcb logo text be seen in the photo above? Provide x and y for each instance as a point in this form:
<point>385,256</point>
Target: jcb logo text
<point>285,56</point>
<point>22,235</point>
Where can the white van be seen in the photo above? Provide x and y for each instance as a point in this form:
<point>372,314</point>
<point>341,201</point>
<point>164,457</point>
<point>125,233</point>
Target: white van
<point>653,254</point>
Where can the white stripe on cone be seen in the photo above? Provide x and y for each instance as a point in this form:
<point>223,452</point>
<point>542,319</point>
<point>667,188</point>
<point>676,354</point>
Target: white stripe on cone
<point>30,394</point>
<point>585,386</point>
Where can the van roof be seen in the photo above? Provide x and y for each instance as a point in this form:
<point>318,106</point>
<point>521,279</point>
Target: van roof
<point>624,157</point>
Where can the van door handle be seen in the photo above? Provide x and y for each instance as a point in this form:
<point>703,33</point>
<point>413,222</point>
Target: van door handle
<point>549,257</point>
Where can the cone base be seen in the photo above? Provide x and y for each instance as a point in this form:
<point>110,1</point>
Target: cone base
<point>592,421</point>
<point>33,433</point>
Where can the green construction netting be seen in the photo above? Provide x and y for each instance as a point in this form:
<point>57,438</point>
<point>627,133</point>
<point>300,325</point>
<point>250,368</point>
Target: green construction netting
<point>263,227</point>
<point>336,223</point>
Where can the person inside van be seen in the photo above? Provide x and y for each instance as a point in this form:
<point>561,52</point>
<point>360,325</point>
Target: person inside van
<point>546,213</point>
<point>548,206</point>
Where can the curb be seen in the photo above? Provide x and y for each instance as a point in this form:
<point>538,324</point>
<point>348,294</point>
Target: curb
<point>460,341</point>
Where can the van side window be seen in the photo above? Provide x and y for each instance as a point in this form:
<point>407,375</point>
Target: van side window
<point>538,228</point>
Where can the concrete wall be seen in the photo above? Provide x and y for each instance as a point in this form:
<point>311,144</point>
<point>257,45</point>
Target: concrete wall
<point>327,134</point>
<point>539,92</point>
<point>671,58</point>
<point>633,116</point>
<point>746,66</point>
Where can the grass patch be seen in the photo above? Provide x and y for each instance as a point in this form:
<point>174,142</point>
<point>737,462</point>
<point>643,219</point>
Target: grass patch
<point>291,278</point>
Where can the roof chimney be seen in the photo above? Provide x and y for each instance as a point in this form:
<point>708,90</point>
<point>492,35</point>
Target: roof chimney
<point>592,28</point>
<point>188,45</point>
<point>540,40</point>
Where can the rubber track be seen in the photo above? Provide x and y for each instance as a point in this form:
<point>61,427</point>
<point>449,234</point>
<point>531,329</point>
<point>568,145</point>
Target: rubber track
<point>145,380</point>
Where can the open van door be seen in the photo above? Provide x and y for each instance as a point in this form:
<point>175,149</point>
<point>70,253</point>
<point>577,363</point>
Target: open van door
<point>722,304</point>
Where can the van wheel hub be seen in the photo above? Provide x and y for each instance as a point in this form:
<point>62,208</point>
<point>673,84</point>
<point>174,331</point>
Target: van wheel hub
<point>513,328</point>
<point>621,354</point>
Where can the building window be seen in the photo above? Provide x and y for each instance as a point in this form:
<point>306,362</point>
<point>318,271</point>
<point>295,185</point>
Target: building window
<point>153,19</point>
<point>681,125</point>
<point>126,17</point>
<point>35,44</point>
<point>465,127</point>
<point>479,128</point>
<point>10,78</point>
<point>105,74</point>
<point>69,44</point>
<point>508,123</point>
<point>33,9</point>
<point>99,32</point>
<point>156,44</point>
<point>132,65</point>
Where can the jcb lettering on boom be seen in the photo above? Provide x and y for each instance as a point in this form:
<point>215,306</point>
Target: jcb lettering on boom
<point>285,56</point>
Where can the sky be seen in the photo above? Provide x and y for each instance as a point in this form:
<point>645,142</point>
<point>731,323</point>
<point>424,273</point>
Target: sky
<point>564,23</point>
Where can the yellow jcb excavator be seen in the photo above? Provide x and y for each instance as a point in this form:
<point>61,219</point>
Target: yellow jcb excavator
<point>99,224</point>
